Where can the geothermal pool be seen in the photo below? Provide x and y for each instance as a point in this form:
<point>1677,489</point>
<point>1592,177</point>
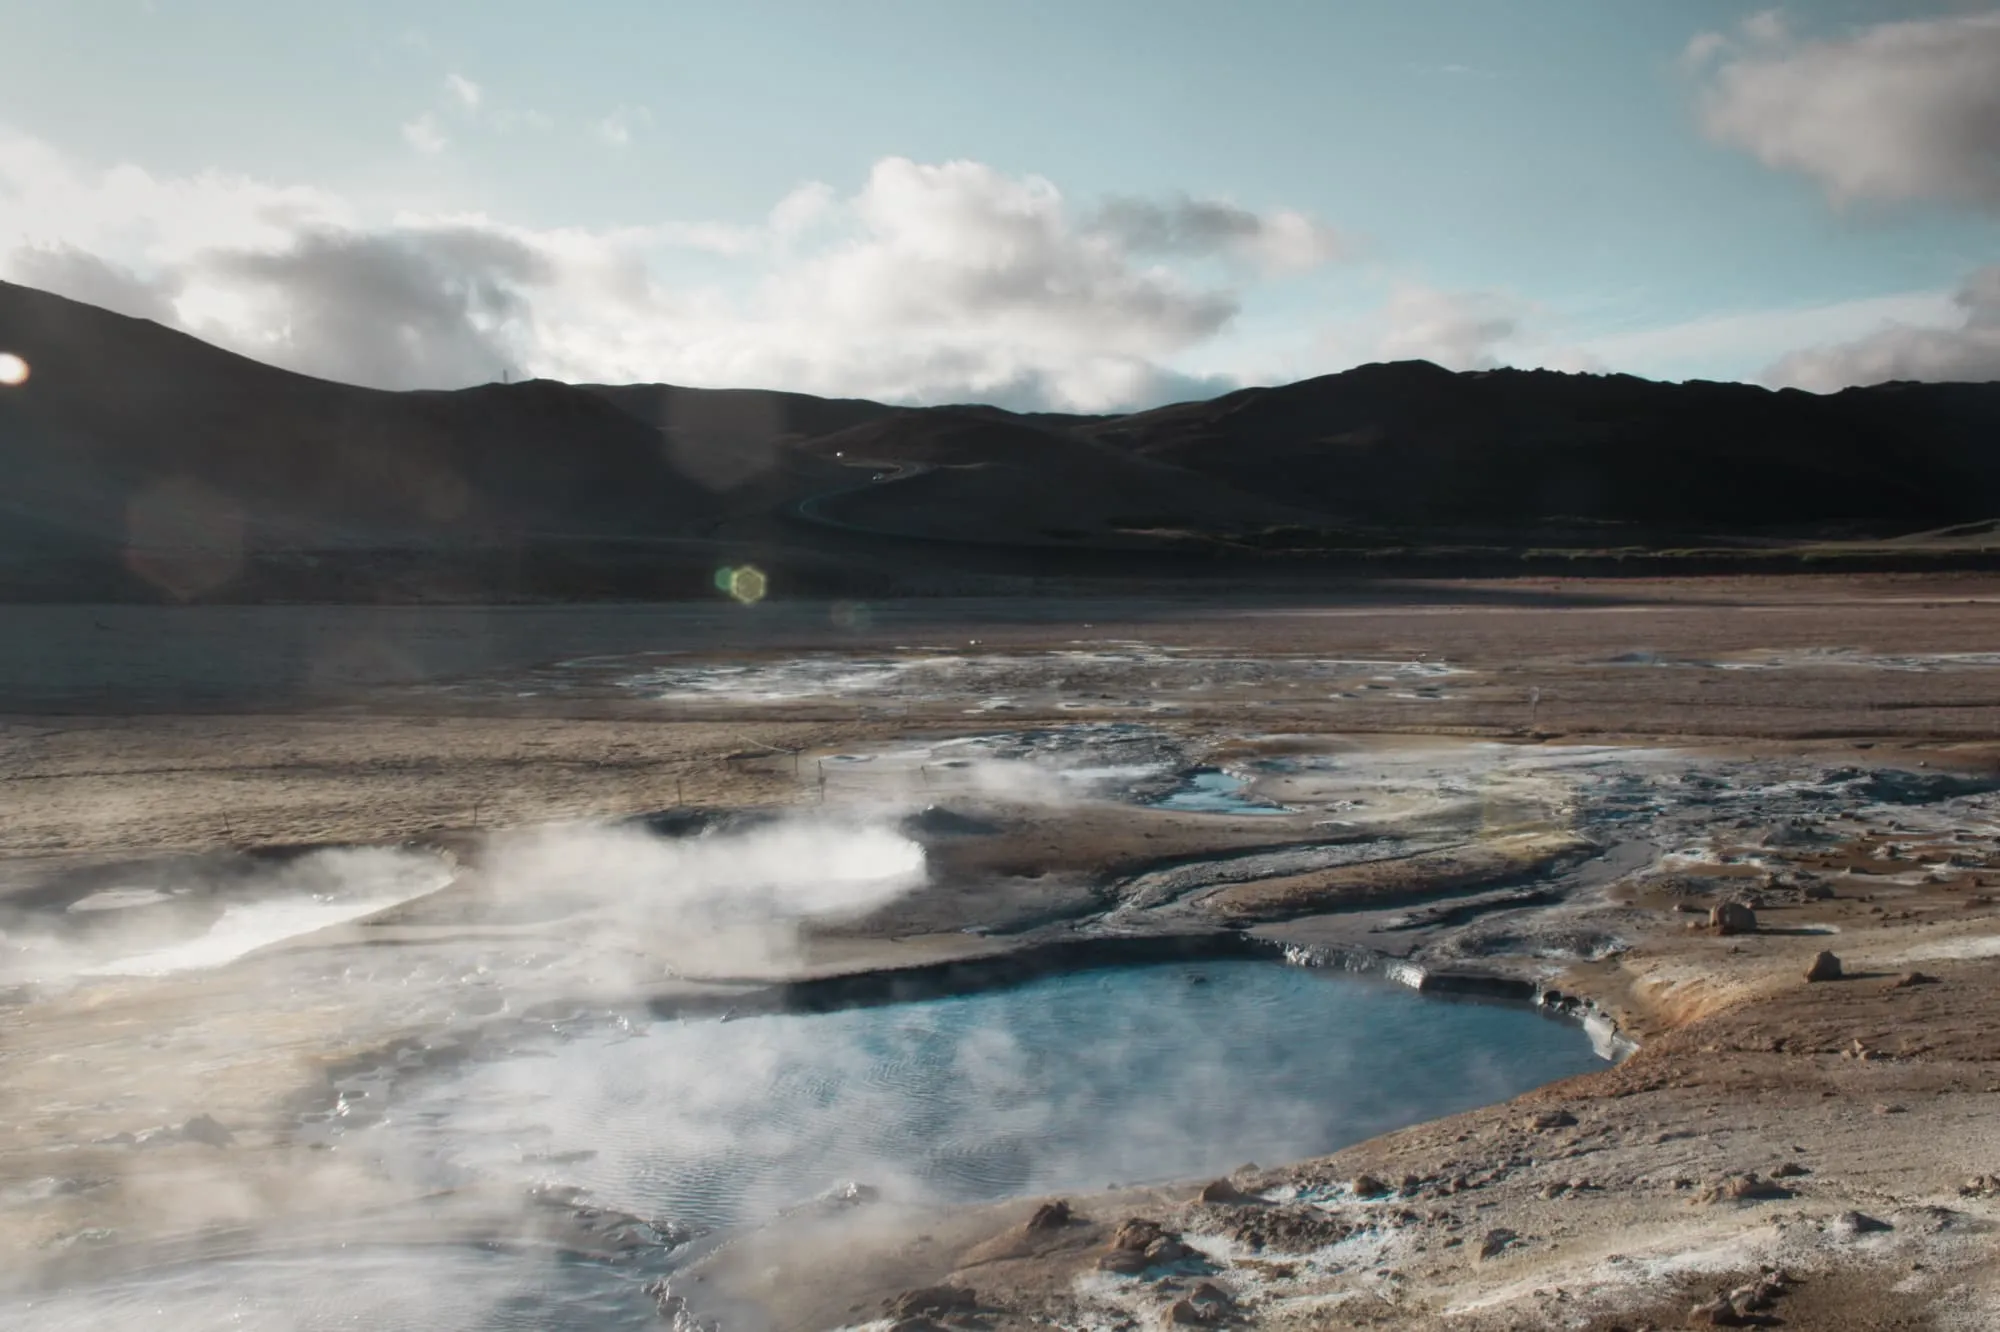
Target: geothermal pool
<point>1070,1082</point>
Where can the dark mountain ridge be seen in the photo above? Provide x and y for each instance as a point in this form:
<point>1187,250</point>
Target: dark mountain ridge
<point>130,440</point>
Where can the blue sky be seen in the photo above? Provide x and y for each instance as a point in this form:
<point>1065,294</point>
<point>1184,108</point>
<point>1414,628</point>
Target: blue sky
<point>1563,182</point>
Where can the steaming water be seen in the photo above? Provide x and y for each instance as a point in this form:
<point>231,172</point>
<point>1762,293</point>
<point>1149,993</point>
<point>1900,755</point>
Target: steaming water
<point>1217,792</point>
<point>1065,1084</point>
<point>1071,1082</point>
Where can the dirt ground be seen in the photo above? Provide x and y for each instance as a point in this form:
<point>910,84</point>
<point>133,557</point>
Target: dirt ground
<point>1865,1107</point>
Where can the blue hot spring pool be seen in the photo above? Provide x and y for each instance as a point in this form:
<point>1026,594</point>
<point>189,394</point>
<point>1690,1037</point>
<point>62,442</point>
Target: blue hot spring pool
<point>1068,1083</point>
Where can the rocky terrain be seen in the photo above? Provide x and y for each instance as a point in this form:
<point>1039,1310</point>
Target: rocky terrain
<point>1747,833</point>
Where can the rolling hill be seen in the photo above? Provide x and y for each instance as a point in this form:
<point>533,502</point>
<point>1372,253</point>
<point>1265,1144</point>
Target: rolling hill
<point>144,462</point>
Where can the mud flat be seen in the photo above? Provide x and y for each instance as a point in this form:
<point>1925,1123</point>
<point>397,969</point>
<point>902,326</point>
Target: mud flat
<point>227,947</point>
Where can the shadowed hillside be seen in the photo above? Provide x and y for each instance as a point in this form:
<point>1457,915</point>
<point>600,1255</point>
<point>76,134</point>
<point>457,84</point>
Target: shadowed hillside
<point>144,462</point>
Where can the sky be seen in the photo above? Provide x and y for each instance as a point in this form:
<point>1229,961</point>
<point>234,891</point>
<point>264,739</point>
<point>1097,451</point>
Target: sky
<point>1077,204</point>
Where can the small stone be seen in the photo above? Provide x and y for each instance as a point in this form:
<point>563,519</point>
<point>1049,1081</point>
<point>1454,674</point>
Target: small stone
<point>1367,1186</point>
<point>1136,1234</point>
<point>1789,1170</point>
<point>1980,1186</point>
<point>1495,1242</point>
<point>1857,1223</point>
<point>1742,1188</point>
<point>1051,1215</point>
<point>1124,1262</point>
<point>204,1129</point>
<point>1552,1119</point>
<point>1553,1191</point>
<point>1825,967</point>
<point>1911,979</point>
<point>1732,918</point>
<point>1185,1313</point>
<point>1167,1249</point>
<point>1718,1312</point>
<point>933,1300</point>
<point>1222,1191</point>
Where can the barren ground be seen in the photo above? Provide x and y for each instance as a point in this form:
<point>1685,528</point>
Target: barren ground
<point>1866,1106</point>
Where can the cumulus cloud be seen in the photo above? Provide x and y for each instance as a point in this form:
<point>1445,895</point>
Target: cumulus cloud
<point>1459,330</point>
<point>1897,112</point>
<point>1968,351</point>
<point>930,282</point>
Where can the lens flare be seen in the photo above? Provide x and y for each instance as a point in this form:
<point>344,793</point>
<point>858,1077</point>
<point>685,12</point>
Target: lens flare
<point>13,369</point>
<point>748,584</point>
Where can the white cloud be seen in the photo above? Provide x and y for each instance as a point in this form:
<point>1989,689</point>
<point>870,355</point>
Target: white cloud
<point>1898,112</point>
<point>1968,349</point>
<point>617,128</point>
<point>931,282</point>
<point>425,134</point>
<point>463,91</point>
<point>1459,330</point>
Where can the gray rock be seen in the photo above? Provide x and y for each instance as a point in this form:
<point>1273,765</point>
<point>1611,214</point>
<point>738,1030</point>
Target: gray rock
<point>1732,918</point>
<point>1495,1242</point>
<point>1825,967</point>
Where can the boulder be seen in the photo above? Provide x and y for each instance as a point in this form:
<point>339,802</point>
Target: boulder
<point>205,1129</point>
<point>1732,918</point>
<point>1718,1312</point>
<point>1825,967</point>
<point>1123,1262</point>
<point>1223,1191</point>
<point>1184,1313</point>
<point>1167,1249</point>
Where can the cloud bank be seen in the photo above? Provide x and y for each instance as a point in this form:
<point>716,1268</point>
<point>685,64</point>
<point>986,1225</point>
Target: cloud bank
<point>930,282</point>
<point>1970,351</point>
<point>1897,113</point>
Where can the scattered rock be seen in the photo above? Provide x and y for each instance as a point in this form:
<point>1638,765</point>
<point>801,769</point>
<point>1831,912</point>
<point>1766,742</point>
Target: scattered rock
<point>1367,1186</point>
<point>1910,979</point>
<point>1167,1249</point>
<point>1136,1234</point>
<point>1551,1119</point>
<point>1732,918</point>
<point>1718,1312</point>
<point>1222,1191</point>
<point>205,1129</point>
<point>932,1300</point>
<point>1742,1188</point>
<point>1980,1186</point>
<point>1857,1223</point>
<point>1789,1170</point>
<point>1495,1242</point>
<point>1051,1215</point>
<point>1825,967</point>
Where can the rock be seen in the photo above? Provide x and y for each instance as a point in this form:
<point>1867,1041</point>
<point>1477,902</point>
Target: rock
<point>1789,1170</point>
<point>1718,1312</point>
<point>1051,1215</point>
<point>1367,1186</point>
<point>204,1129</point>
<point>1825,967</point>
<point>932,1300</point>
<point>1732,918</point>
<point>1223,1191</point>
<point>1207,1294</point>
<point>1857,1223</point>
<point>1184,1313</point>
<point>1550,1192</point>
<point>1742,1188</point>
<point>1167,1249</point>
<point>1551,1119</point>
<point>1980,1186</point>
<point>1495,1242</point>
<point>1815,892</point>
<point>1124,1262</point>
<point>1909,979</point>
<point>1136,1234</point>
